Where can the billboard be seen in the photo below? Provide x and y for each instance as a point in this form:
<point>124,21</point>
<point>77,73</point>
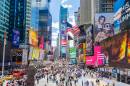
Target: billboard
<point>63,49</point>
<point>40,41</point>
<point>63,37</point>
<point>30,52</point>
<point>63,42</point>
<point>35,54</point>
<point>24,57</point>
<point>73,61</point>
<point>104,26</point>
<point>17,56</point>
<point>15,38</point>
<point>33,38</point>
<point>89,41</point>
<point>105,59</point>
<point>41,54</point>
<point>73,52</point>
<point>81,37</point>
<point>121,15</point>
<point>91,60</point>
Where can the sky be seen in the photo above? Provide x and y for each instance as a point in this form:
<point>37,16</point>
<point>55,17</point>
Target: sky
<point>72,6</point>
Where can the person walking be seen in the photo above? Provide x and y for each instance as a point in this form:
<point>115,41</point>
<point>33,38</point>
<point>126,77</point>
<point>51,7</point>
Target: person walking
<point>82,83</point>
<point>47,79</point>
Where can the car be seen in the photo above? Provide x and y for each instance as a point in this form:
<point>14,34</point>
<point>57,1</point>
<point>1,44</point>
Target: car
<point>9,77</point>
<point>1,79</point>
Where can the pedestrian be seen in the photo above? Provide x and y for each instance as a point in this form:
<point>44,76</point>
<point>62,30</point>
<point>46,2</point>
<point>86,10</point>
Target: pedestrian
<point>47,79</point>
<point>75,82</point>
<point>37,80</point>
<point>87,83</point>
<point>82,83</point>
<point>77,79</point>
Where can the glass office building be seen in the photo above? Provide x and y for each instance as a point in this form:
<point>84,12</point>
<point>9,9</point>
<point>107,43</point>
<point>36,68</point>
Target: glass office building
<point>4,16</point>
<point>20,18</point>
<point>36,6</point>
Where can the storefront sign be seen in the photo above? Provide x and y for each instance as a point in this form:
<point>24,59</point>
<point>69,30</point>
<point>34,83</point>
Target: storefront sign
<point>114,70</point>
<point>123,72</point>
<point>106,70</point>
<point>110,70</point>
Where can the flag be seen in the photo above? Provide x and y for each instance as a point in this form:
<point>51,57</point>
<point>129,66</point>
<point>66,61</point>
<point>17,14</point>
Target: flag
<point>73,29</point>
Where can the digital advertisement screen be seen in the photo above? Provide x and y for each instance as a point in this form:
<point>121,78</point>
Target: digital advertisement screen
<point>104,26</point>
<point>35,54</point>
<point>63,42</point>
<point>73,61</point>
<point>15,38</point>
<point>89,41</point>
<point>41,54</point>
<point>17,56</point>
<point>81,37</point>
<point>24,57</point>
<point>33,38</point>
<point>63,37</point>
<point>63,49</point>
<point>91,60</point>
<point>40,41</point>
<point>121,15</point>
<point>105,59</point>
<point>73,52</point>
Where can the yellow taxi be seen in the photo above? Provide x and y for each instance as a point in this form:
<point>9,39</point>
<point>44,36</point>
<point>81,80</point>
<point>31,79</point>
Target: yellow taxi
<point>9,77</point>
<point>1,80</point>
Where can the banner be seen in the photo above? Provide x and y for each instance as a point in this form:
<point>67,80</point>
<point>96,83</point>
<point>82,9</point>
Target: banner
<point>121,15</point>
<point>63,42</point>
<point>33,38</point>
<point>63,49</point>
<point>104,26</point>
<point>40,41</point>
<point>89,41</point>
<point>35,54</point>
<point>91,60</point>
<point>15,38</point>
<point>41,54</point>
<point>17,56</point>
<point>30,52</point>
<point>24,57</point>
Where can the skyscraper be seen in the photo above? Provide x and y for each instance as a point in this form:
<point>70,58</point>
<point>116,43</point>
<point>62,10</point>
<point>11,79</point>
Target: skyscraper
<point>4,16</point>
<point>36,6</point>
<point>62,24</point>
<point>20,18</point>
<point>76,15</point>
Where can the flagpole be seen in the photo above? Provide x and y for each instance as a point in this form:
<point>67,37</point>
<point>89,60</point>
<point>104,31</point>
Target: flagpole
<point>4,51</point>
<point>66,55</point>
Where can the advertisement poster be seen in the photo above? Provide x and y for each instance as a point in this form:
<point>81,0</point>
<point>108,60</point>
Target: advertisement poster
<point>41,54</point>
<point>63,49</point>
<point>15,38</point>
<point>73,52</point>
<point>63,37</point>
<point>89,41</point>
<point>81,37</point>
<point>63,42</point>
<point>104,26</point>
<point>17,56</point>
<point>91,60</point>
<point>33,38</point>
<point>121,15</point>
<point>73,61</point>
<point>40,41</point>
<point>105,59</point>
<point>24,58</point>
<point>35,54</point>
<point>30,52</point>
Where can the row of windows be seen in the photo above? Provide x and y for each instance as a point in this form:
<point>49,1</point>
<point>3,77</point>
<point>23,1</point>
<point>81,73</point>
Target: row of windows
<point>108,10</point>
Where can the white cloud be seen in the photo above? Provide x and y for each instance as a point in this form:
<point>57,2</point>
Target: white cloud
<point>73,20</point>
<point>63,1</point>
<point>54,43</point>
<point>55,25</point>
<point>67,6</point>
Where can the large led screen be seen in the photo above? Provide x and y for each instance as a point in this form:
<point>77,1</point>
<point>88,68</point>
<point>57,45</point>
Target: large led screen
<point>81,37</point>
<point>89,41</point>
<point>73,52</point>
<point>35,54</point>
<point>15,38</point>
<point>73,61</point>
<point>40,41</point>
<point>104,26</point>
<point>98,56</point>
<point>63,49</point>
<point>33,38</point>
<point>121,15</point>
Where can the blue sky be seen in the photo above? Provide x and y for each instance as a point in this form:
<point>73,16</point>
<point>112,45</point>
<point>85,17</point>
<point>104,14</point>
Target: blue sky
<point>72,6</point>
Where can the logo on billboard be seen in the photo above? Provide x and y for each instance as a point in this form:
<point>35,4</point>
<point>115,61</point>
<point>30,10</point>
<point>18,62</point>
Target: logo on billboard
<point>63,21</point>
<point>15,38</point>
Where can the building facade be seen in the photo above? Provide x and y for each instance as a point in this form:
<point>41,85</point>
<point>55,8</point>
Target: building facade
<point>36,6</point>
<point>20,19</point>
<point>4,17</point>
<point>45,26</point>
<point>75,16</point>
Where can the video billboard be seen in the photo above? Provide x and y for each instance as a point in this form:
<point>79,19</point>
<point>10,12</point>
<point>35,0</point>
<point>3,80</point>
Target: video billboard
<point>35,54</point>
<point>33,38</point>
<point>73,52</point>
<point>104,26</point>
<point>40,41</point>
<point>121,15</point>
<point>24,57</point>
<point>105,59</point>
<point>63,42</point>
<point>73,61</point>
<point>81,37</point>
<point>30,52</point>
<point>91,60</point>
<point>41,54</point>
<point>17,56</point>
<point>63,37</point>
<point>63,49</point>
<point>15,38</point>
<point>89,41</point>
